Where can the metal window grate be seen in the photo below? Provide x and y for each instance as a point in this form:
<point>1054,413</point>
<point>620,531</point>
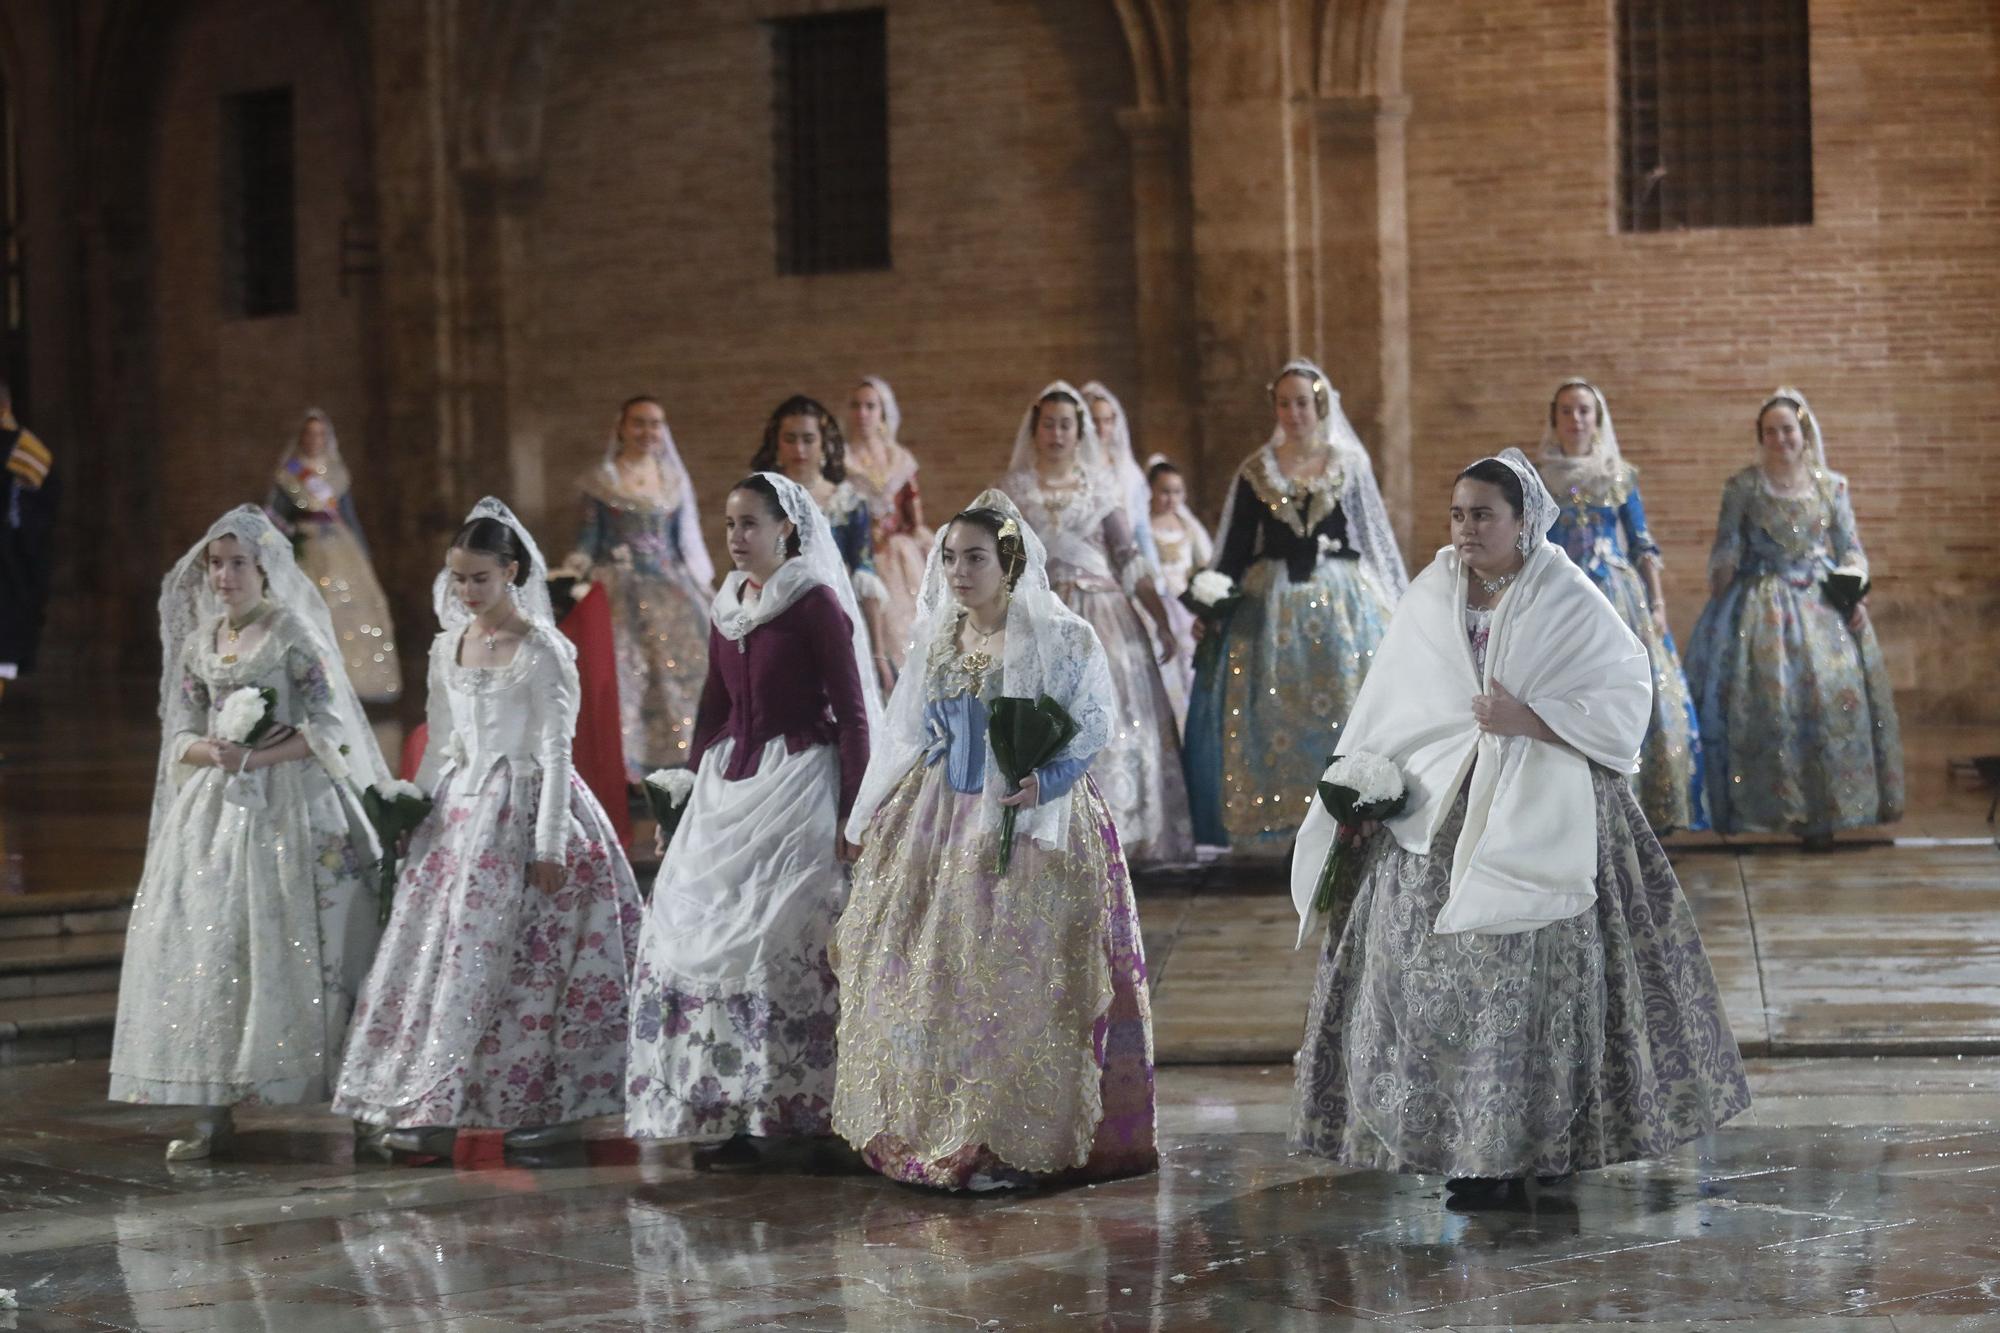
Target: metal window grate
<point>831,150</point>
<point>259,224</point>
<point>1715,114</point>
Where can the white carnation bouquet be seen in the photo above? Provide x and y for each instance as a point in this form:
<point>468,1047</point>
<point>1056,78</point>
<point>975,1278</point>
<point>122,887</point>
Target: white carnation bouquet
<point>1213,596</point>
<point>245,717</point>
<point>667,792</point>
<point>1356,789</point>
<point>394,808</point>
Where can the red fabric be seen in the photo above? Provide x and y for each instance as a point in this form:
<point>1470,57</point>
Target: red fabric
<point>597,749</point>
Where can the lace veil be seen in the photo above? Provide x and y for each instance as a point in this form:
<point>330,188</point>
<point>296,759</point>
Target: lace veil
<point>818,561</point>
<point>531,598</point>
<point>693,547</point>
<point>892,415</point>
<point>1368,526</point>
<point>1808,420</point>
<point>1538,506</point>
<point>1089,449</point>
<point>1599,470</point>
<point>1050,650</point>
<point>187,604</point>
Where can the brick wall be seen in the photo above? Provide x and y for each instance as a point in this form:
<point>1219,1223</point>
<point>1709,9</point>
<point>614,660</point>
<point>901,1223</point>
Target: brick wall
<point>231,390</point>
<point>1882,311</point>
<point>654,266</point>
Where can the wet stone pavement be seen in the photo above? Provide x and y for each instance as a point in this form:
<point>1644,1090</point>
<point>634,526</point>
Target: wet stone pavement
<point>1858,1195</point>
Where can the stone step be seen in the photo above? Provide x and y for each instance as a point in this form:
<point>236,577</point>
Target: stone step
<point>44,1029</point>
<point>44,915</point>
<point>43,965</point>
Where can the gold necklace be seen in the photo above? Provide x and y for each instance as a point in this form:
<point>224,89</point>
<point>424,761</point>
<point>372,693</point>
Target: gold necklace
<point>977,662</point>
<point>232,630</point>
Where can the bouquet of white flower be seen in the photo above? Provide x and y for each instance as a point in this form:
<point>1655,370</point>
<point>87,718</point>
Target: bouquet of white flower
<point>667,792</point>
<point>1356,789</point>
<point>1212,595</point>
<point>246,715</point>
<point>394,809</point>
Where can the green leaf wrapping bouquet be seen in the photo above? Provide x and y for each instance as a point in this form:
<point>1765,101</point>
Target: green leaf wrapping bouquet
<point>1024,735</point>
<point>1356,789</point>
<point>393,809</point>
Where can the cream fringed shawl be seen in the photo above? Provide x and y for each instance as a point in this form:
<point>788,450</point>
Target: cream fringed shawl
<point>1527,854</point>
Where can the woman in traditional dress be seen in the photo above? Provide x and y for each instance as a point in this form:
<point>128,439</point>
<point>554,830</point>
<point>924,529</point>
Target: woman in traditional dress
<point>994,1025</point>
<point>1306,538</point>
<point>312,502</point>
<point>1798,723</point>
<point>255,921</point>
<point>1121,468</point>
<point>885,474</point>
<point>1518,990</point>
<point>1601,524</point>
<point>1058,479</point>
<point>498,997</point>
<point>803,443</point>
<point>1184,546</point>
<point>733,1036</point>
<point>641,538</point>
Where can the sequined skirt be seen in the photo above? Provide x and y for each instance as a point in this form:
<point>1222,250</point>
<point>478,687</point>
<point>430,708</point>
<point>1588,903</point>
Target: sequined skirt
<point>1590,1041</point>
<point>1669,779</point>
<point>992,1024</point>
<point>1292,659</point>
<point>333,559</point>
<point>659,623</point>
<point>1798,722</point>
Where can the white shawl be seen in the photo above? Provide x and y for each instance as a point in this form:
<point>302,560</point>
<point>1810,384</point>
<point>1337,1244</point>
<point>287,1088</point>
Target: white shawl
<point>1527,854</point>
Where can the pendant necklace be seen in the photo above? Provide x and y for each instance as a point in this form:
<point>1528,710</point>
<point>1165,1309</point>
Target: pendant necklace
<point>978,661</point>
<point>233,630</point>
<point>1494,587</point>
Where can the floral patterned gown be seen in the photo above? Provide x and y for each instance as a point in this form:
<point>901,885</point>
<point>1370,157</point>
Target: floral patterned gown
<point>900,545</point>
<point>1589,1041</point>
<point>491,1003</point>
<point>1798,722</point>
<point>991,1025</point>
<point>252,927</point>
<point>1606,535</point>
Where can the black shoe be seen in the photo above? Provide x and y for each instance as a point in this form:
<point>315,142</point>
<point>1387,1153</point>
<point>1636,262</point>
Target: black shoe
<point>736,1153</point>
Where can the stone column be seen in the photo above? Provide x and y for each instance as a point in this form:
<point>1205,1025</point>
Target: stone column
<point>1362,292</point>
<point>1162,255</point>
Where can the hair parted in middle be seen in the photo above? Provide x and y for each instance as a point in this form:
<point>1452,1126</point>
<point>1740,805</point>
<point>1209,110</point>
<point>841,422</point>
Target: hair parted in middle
<point>832,443</point>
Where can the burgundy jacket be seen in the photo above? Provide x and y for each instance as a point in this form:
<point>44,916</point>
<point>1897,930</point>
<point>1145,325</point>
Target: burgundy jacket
<point>793,676</point>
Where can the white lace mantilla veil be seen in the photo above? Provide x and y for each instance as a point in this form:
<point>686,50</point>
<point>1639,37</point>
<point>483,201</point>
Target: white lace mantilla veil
<point>892,415</point>
<point>337,477</point>
<point>1368,529</point>
<point>1050,650</point>
<point>1089,449</point>
<point>1808,421</point>
<point>693,546</point>
<point>1117,451</point>
<point>1538,506</point>
<point>1597,471</point>
<point>818,562</point>
<point>531,598</point>
<point>187,603</point>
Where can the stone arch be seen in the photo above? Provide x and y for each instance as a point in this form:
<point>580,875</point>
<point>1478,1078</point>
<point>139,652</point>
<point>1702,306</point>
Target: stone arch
<point>1359,48</point>
<point>1152,34</point>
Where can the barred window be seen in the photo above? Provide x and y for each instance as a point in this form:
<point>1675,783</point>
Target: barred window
<point>259,226</point>
<point>1715,114</point>
<point>831,127</point>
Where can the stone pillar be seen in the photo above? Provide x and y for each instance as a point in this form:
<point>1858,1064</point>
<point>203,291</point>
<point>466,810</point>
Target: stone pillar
<point>1162,254</point>
<point>1362,293</point>
<point>1249,157</point>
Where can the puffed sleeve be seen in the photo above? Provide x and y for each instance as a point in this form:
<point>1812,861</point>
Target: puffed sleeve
<point>559,698</point>
<point>441,740</point>
<point>832,639</point>
<point>311,680</point>
<point>1727,553</point>
<point>1842,534</point>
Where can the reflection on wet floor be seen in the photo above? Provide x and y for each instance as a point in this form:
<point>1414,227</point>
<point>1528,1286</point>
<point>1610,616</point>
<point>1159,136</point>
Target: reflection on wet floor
<point>1858,1195</point>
